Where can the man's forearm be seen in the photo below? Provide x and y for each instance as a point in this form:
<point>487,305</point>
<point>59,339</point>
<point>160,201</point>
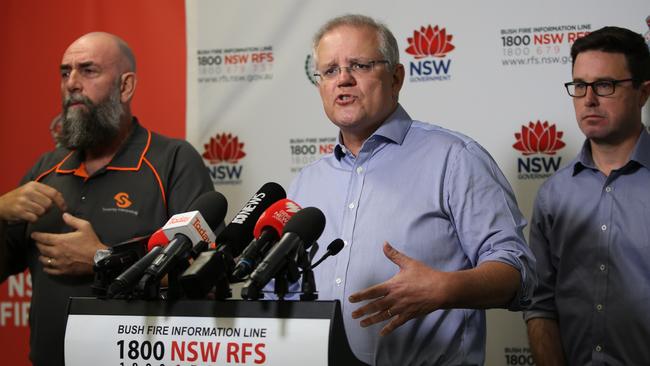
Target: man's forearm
<point>492,284</point>
<point>545,342</point>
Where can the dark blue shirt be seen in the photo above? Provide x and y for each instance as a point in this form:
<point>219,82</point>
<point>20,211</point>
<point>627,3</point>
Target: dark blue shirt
<point>591,236</point>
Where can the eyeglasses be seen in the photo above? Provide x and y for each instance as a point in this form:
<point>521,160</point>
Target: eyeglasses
<point>355,68</point>
<point>602,88</point>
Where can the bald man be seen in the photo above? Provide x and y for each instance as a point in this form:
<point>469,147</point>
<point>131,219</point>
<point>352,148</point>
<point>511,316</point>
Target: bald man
<point>111,180</point>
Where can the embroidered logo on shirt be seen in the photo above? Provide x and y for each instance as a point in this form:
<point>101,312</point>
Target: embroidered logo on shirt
<point>122,200</point>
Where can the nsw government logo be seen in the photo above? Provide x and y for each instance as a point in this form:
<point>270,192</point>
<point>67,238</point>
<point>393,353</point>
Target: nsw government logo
<point>223,153</point>
<point>538,138</point>
<point>430,46</point>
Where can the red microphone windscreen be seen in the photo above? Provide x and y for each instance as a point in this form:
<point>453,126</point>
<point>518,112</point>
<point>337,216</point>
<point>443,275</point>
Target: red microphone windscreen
<point>276,216</point>
<point>157,239</point>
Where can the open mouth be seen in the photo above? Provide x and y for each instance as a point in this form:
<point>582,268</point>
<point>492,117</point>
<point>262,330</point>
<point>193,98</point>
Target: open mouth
<point>345,99</point>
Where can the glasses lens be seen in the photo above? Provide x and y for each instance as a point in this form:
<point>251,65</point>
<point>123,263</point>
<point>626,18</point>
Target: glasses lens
<point>604,88</point>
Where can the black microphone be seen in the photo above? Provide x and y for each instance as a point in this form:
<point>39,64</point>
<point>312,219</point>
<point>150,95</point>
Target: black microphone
<point>185,231</point>
<point>214,267</point>
<point>125,281</point>
<point>333,249</point>
<point>268,229</point>
<point>239,232</point>
<point>301,230</point>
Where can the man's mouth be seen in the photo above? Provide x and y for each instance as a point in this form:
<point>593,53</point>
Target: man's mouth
<point>344,99</point>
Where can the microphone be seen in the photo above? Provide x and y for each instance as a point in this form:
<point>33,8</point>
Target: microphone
<point>213,267</point>
<point>268,229</point>
<point>184,231</point>
<point>301,230</point>
<point>109,263</point>
<point>240,230</point>
<point>126,280</point>
<point>333,249</point>
<point>157,239</point>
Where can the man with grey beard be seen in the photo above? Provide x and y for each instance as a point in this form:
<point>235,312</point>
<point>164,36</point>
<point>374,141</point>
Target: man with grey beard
<point>111,180</point>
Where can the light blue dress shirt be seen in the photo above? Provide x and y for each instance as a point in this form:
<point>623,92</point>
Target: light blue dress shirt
<point>591,236</point>
<point>438,197</point>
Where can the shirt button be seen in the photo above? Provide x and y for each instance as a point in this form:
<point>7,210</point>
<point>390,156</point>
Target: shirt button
<point>599,307</point>
<point>351,205</point>
<point>599,348</point>
<point>83,198</point>
<point>602,267</point>
<point>359,170</point>
<point>338,281</point>
<point>603,228</point>
<point>608,189</point>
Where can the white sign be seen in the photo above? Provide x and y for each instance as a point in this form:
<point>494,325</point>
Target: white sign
<point>100,340</point>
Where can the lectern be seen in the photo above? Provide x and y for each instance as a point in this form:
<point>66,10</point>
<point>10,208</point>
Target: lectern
<point>201,332</point>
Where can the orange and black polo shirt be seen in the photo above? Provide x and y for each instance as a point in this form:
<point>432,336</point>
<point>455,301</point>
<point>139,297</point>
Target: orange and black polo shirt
<point>150,178</point>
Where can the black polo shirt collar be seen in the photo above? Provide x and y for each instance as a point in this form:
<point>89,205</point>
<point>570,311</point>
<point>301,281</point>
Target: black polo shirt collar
<point>130,156</point>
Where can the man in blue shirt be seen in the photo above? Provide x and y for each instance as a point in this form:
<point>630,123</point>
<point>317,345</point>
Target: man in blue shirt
<point>436,196</point>
<point>590,227</point>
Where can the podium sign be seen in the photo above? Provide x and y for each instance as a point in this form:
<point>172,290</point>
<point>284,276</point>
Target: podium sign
<point>186,333</point>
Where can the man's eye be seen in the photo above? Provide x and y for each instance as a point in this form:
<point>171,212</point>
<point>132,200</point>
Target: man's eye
<point>65,74</point>
<point>330,71</point>
<point>579,86</point>
<point>360,67</point>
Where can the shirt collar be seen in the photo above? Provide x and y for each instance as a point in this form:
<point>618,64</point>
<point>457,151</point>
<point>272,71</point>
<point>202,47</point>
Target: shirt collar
<point>394,129</point>
<point>640,154</point>
<point>128,157</point>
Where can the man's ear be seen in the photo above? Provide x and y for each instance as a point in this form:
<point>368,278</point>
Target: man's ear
<point>127,86</point>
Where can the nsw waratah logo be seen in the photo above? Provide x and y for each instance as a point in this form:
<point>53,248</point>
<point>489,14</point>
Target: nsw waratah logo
<point>223,153</point>
<point>538,138</point>
<point>430,47</point>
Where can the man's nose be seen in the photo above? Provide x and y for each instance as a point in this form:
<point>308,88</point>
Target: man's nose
<point>345,77</point>
<point>590,98</point>
<point>72,84</point>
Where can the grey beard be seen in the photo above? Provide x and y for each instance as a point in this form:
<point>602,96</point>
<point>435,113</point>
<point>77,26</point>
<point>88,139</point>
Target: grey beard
<point>92,128</point>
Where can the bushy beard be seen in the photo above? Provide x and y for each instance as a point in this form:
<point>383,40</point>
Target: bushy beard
<point>92,127</point>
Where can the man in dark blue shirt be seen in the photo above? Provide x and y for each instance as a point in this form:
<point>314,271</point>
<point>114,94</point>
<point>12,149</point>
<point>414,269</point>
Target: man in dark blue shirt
<point>590,224</point>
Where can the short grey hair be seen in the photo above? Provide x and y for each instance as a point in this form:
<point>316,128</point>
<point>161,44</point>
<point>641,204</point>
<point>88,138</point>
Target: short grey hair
<point>387,42</point>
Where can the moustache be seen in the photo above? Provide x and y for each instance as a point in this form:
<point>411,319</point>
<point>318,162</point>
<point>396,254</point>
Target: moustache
<point>77,98</point>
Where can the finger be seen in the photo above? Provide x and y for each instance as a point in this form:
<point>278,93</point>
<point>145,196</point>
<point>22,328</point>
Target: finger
<point>47,251</point>
<point>395,255</point>
<point>75,222</point>
<point>373,307</point>
<point>375,318</point>
<point>396,322</point>
<point>46,239</point>
<point>52,194</point>
<point>370,293</point>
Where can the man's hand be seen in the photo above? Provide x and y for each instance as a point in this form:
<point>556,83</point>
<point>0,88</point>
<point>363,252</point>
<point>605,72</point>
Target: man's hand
<point>69,253</point>
<point>29,201</point>
<point>415,291</point>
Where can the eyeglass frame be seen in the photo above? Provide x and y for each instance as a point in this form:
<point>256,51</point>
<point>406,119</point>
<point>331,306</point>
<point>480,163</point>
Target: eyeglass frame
<point>350,69</point>
<point>593,86</point>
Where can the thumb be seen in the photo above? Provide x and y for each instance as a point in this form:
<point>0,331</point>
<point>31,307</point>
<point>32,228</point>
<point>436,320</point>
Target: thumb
<point>74,222</point>
<point>395,255</point>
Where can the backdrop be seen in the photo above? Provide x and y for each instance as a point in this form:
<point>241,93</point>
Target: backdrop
<point>234,78</point>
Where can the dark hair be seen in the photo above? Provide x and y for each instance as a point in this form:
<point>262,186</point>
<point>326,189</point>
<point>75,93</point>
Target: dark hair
<point>618,40</point>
